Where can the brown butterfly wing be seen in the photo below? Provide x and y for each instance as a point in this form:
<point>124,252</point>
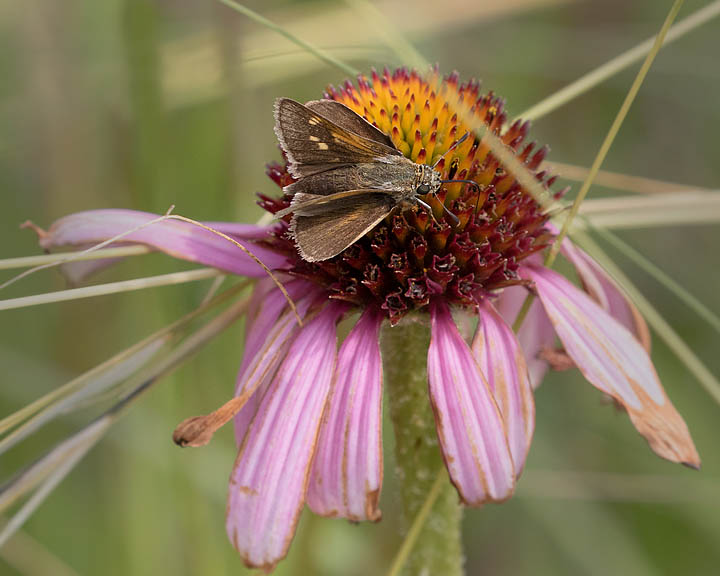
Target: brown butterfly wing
<point>344,117</point>
<point>339,223</point>
<point>314,144</point>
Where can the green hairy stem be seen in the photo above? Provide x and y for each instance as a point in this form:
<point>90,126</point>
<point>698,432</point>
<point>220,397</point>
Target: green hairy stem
<point>437,548</point>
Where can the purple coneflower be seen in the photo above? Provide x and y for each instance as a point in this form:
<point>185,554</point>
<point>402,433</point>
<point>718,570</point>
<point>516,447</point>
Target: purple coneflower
<point>308,417</point>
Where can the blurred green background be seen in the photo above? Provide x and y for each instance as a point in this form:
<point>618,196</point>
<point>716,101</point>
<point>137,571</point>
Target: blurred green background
<point>146,103</point>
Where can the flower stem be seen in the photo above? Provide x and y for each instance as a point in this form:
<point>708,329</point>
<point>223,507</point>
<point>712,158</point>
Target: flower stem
<point>437,547</point>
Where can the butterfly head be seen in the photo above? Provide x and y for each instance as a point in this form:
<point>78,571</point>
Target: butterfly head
<point>429,181</point>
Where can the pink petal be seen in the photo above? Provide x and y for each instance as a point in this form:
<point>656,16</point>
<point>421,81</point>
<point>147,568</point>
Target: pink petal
<point>347,471</point>
<point>614,361</point>
<point>502,362</point>
<point>268,336</point>
<point>269,480</point>
<point>469,424</point>
<point>179,239</point>
<point>606,292</point>
<point>536,333</point>
<point>241,231</point>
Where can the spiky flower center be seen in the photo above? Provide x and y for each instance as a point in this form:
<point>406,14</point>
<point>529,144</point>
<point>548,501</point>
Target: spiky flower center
<point>414,256</point>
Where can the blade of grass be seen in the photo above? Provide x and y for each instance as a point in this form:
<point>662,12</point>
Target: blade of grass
<point>623,182</point>
<point>408,54</point>
<point>93,387</point>
<point>81,442</point>
<point>30,558</point>
<point>62,257</point>
<point>110,288</point>
<point>56,395</point>
<point>54,477</point>
<point>680,293</point>
<point>318,52</point>
<point>660,210</point>
<point>618,64</point>
<point>42,468</point>
<point>604,149</point>
<point>612,133</point>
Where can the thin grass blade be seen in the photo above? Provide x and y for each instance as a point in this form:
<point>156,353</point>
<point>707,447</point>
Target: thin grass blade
<point>618,64</point>
<point>52,467</point>
<point>635,212</point>
<point>110,288</point>
<point>703,312</point>
<point>654,318</point>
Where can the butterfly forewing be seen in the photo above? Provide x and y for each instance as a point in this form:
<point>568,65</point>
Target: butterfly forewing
<point>313,143</point>
<point>341,115</point>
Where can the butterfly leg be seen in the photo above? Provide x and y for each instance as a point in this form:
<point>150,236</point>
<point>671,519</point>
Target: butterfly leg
<point>427,207</point>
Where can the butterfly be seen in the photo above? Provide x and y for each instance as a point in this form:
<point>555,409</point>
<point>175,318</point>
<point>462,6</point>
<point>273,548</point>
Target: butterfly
<point>349,176</point>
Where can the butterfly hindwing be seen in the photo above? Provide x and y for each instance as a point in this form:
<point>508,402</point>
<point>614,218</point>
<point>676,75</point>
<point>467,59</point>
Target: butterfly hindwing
<point>313,143</point>
<point>307,204</point>
<point>339,223</point>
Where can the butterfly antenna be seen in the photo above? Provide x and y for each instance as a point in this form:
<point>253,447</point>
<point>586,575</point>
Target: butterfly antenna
<point>455,145</point>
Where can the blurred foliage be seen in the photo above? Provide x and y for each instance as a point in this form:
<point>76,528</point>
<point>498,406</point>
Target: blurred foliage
<point>147,103</point>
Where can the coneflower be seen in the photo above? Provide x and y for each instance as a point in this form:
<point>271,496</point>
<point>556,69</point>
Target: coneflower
<point>308,417</point>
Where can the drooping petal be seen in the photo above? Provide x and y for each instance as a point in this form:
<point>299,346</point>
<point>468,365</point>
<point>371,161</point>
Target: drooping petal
<point>268,336</point>
<point>347,471</point>
<point>503,364</point>
<point>176,238</point>
<point>612,359</point>
<point>270,476</point>
<point>469,424</point>
<point>536,333</point>
<point>606,292</point>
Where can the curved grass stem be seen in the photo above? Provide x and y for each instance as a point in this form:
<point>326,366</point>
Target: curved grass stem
<point>612,133</point>
<point>604,149</point>
<point>319,52</point>
<point>618,64</point>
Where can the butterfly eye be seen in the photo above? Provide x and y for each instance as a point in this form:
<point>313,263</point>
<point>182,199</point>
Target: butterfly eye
<point>423,189</point>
